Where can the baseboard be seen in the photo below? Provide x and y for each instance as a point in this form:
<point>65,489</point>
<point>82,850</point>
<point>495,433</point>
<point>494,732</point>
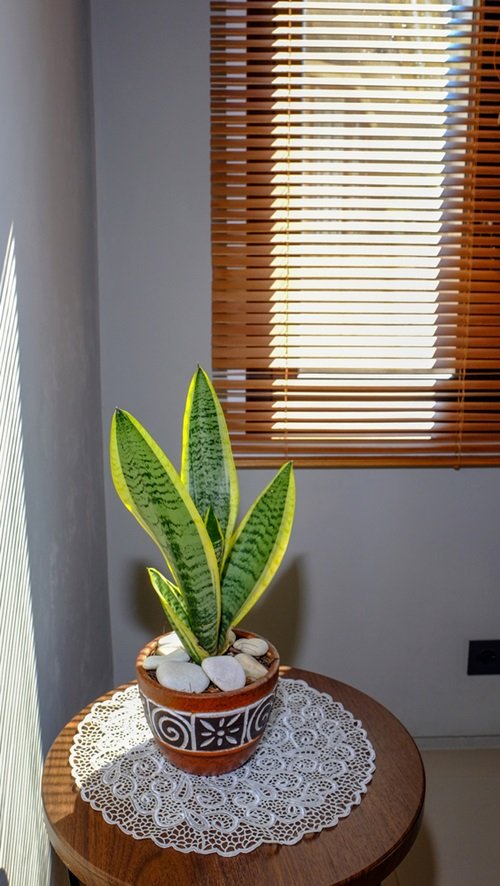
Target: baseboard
<point>457,742</point>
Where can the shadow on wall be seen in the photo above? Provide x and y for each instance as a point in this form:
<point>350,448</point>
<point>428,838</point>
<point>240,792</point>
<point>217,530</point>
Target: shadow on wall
<point>277,615</point>
<point>145,606</point>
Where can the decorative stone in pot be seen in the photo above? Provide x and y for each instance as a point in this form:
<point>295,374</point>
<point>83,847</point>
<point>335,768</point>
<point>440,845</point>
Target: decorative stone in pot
<point>211,732</point>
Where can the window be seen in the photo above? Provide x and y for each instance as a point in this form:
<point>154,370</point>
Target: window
<point>355,230</point>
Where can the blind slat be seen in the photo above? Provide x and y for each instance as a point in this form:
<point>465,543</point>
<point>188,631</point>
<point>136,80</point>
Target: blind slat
<point>356,230</point>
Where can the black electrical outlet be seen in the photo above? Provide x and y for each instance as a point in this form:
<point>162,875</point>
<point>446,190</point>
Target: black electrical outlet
<point>484,657</point>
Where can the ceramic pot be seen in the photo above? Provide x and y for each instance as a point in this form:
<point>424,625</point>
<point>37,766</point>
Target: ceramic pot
<point>211,732</point>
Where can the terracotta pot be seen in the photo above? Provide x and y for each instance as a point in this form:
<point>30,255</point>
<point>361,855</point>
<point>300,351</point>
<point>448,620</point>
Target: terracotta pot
<point>211,732</point>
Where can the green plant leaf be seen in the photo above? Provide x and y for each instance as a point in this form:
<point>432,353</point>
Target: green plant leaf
<point>170,601</point>
<point>212,526</point>
<point>170,592</point>
<point>224,644</point>
<point>208,469</point>
<point>151,489</point>
<point>257,549</point>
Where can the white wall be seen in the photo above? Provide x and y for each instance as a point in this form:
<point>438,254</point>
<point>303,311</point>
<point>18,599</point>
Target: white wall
<point>389,572</point>
<point>55,643</point>
<point>47,193</point>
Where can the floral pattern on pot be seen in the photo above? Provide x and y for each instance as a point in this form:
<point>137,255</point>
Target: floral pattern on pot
<point>208,732</point>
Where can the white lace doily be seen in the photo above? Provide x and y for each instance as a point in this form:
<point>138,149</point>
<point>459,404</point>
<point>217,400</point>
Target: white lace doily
<point>312,766</point>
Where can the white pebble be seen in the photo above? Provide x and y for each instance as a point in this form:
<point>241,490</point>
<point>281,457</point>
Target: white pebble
<point>224,671</point>
<point>179,654</point>
<point>251,645</point>
<point>231,637</point>
<point>183,676</point>
<point>151,662</point>
<point>253,668</point>
<point>169,641</point>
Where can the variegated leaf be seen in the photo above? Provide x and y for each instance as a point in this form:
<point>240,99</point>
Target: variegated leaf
<point>151,489</point>
<point>215,534</point>
<point>170,602</point>
<point>208,469</point>
<point>170,592</point>
<point>257,550</point>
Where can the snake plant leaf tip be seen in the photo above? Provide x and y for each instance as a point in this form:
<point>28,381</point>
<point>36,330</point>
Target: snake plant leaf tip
<point>218,571</point>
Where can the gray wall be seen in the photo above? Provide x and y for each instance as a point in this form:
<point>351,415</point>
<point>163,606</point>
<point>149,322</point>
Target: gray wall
<point>47,193</point>
<point>389,573</point>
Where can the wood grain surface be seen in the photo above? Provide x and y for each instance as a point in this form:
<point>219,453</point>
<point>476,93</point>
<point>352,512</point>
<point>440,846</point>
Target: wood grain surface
<point>362,849</point>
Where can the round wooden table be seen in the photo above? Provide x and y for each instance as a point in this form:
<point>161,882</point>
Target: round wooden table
<point>363,848</point>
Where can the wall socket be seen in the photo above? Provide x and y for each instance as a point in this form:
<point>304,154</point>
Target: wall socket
<point>484,657</point>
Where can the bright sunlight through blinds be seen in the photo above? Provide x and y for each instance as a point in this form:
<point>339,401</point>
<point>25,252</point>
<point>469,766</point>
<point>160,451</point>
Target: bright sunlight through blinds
<point>355,230</point>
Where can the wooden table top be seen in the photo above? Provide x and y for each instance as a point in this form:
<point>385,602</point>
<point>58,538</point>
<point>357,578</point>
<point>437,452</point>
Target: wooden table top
<point>362,849</point>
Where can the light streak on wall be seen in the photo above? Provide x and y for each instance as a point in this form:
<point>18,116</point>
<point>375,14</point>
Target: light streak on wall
<point>24,851</point>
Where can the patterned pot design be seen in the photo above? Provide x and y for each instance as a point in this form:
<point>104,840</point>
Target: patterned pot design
<point>212,732</point>
<point>208,733</point>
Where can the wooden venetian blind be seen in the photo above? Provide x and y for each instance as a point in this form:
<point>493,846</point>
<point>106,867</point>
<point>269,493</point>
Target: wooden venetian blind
<point>356,230</point>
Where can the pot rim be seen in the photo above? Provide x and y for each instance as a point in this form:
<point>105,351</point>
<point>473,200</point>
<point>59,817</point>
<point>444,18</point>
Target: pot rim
<point>251,689</point>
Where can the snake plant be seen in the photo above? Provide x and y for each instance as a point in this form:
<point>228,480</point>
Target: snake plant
<point>217,571</point>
